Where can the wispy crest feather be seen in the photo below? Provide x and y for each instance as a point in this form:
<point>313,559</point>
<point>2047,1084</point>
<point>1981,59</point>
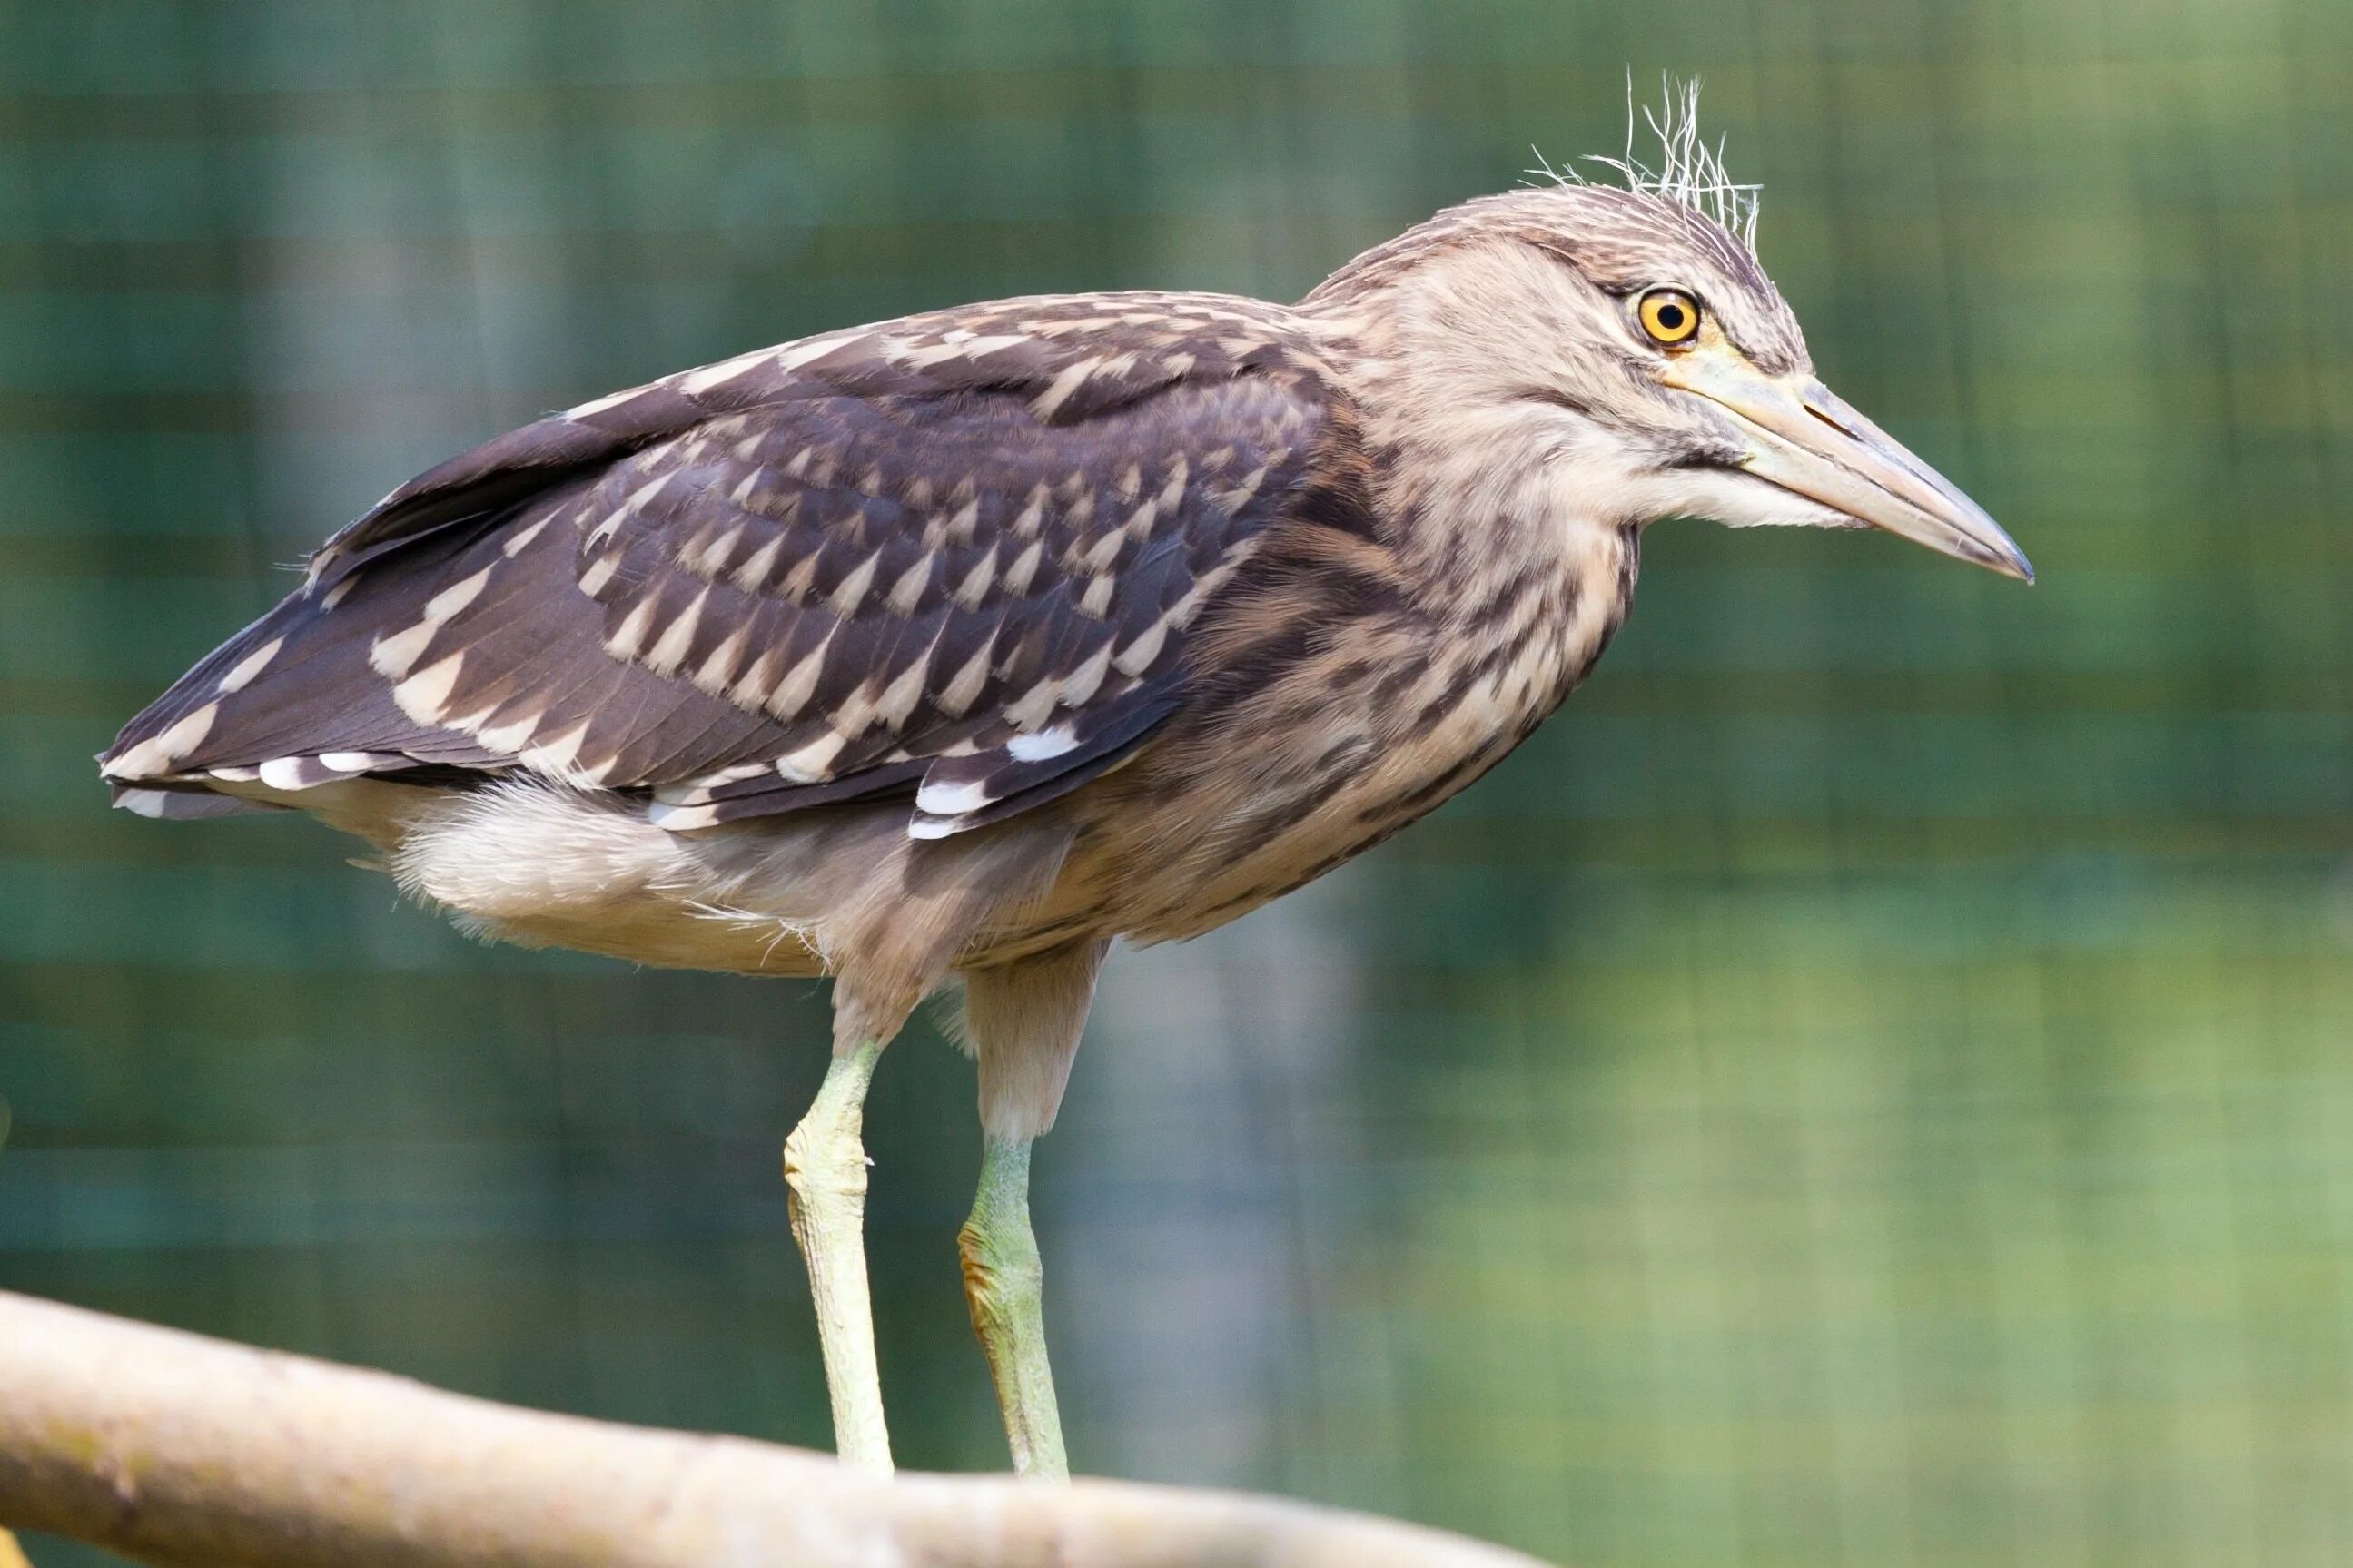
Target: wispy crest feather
<point>1690,172</point>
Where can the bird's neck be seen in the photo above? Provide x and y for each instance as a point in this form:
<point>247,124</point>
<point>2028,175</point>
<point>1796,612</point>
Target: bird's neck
<point>1527,597</point>
<point>1519,570</point>
<point>1483,523</point>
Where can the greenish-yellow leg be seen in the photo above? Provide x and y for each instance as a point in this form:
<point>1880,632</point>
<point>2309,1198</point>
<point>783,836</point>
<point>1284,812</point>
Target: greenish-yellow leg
<point>825,1167</point>
<point>1002,1284</point>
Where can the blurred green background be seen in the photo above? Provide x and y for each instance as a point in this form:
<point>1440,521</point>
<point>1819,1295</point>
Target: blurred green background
<point>1866,1085</point>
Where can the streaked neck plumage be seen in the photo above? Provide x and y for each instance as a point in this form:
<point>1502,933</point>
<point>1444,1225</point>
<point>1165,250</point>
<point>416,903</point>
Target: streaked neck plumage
<point>1514,550</point>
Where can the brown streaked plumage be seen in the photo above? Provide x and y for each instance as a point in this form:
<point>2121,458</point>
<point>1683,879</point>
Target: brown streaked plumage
<point>970,642</point>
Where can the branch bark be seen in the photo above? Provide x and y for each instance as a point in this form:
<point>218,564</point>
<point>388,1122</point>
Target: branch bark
<point>177,1449</point>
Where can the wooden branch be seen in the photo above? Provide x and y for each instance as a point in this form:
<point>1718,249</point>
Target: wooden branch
<point>177,1449</point>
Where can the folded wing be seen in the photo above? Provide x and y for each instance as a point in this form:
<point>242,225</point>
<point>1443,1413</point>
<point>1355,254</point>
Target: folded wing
<point>952,557</point>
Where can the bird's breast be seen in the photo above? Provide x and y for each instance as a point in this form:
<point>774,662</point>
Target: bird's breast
<point>1379,723</point>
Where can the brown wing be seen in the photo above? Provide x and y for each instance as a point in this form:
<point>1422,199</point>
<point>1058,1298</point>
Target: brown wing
<point>954,555</point>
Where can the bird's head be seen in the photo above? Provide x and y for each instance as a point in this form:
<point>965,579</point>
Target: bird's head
<point>1627,339</point>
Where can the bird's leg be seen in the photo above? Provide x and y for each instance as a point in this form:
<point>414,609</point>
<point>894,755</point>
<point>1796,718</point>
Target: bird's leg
<point>1023,1019</point>
<point>824,1168</point>
<point>1003,1284</point>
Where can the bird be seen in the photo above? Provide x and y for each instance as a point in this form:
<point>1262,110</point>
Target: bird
<point>955,648</point>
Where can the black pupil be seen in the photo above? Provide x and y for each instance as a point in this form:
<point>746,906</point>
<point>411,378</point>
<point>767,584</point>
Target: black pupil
<point>1671,317</point>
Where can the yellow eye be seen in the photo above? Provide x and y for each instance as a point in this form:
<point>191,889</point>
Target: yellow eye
<point>1668,315</point>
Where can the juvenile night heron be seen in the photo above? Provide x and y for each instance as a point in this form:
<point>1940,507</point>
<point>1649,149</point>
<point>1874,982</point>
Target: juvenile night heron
<point>961,645</point>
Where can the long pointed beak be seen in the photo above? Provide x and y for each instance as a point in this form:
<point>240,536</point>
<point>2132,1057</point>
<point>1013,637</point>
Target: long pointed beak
<point>1804,437</point>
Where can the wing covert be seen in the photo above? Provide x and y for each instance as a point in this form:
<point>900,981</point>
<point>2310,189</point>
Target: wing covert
<point>955,555</point>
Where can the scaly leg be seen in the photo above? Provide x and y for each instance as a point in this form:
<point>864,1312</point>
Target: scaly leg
<point>1024,1021</point>
<point>825,1167</point>
<point>1002,1285</point>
